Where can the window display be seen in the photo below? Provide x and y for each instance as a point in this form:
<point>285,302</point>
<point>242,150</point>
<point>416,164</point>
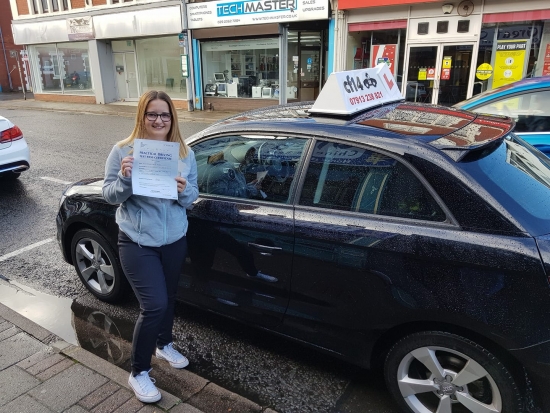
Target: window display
<point>510,51</point>
<point>159,66</point>
<point>61,68</point>
<point>241,68</point>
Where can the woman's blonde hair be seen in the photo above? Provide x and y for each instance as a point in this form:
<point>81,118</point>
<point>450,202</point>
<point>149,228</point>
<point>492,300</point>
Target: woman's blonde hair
<point>139,132</point>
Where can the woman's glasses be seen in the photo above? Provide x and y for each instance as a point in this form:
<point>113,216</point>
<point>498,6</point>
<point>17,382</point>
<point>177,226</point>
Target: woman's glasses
<point>152,116</point>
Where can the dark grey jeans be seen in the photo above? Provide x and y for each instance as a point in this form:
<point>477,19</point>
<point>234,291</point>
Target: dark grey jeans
<point>153,273</point>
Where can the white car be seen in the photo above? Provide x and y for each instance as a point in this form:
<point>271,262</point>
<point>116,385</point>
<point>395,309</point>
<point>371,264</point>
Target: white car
<point>14,151</point>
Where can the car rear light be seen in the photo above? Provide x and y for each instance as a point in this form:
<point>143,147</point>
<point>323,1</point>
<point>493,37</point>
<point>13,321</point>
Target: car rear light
<point>12,134</point>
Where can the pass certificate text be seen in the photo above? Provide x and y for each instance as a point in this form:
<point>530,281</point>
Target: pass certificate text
<point>155,168</point>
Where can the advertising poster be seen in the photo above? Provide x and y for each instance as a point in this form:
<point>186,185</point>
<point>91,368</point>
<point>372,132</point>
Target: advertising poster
<point>422,73</point>
<point>509,62</point>
<point>446,68</point>
<point>484,71</point>
<point>431,73</point>
<point>546,64</point>
<point>384,53</point>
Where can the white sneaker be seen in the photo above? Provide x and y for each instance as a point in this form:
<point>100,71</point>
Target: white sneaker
<point>172,356</point>
<point>144,387</point>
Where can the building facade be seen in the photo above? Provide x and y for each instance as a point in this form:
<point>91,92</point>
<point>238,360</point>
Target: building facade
<point>259,52</point>
<point>102,51</point>
<point>11,63</point>
<point>446,51</point>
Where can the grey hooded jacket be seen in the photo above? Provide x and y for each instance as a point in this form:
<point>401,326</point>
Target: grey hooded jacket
<point>148,221</point>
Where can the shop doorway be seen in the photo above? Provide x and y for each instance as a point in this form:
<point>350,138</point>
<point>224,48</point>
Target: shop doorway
<point>126,76</point>
<point>438,73</point>
<point>309,73</point>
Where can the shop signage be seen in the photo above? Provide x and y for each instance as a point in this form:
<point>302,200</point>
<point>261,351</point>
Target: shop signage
<point>446,68</point>
<point>484,71</point>
<point>240,13</point>
<point>356,4</point>
<point>546,63</point>
<point>349,92</point>
<point>509,62</point>
<point>184,66</point>
<point>241,45</point>
<point>80,28</point>
<point>430,74</point>
<point>422,73</point>
<point>384,53</point>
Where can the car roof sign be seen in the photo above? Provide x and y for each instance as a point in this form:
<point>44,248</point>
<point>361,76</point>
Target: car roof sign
<point>349,92</point>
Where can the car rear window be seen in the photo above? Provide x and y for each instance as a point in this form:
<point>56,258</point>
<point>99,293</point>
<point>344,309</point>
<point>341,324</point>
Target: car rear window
<point>518,176</point>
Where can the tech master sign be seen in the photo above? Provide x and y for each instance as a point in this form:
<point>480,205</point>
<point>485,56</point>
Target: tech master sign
<point>237,13</point>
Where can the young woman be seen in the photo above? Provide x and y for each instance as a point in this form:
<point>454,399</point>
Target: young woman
<point>152,242</point>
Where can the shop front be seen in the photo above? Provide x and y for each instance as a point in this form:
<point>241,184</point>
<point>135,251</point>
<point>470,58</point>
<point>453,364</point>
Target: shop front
<point>250,56</point>
<point>443,53</point>
<point>108,56</point>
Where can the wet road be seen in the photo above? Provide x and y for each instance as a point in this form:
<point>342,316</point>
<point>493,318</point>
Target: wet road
<point>267,369</point>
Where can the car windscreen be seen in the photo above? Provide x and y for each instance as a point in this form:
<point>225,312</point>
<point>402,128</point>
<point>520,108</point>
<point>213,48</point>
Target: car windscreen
<point>518,176</point>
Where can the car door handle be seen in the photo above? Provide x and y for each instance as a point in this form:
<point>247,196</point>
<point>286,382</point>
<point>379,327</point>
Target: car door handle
<point>264,249</point>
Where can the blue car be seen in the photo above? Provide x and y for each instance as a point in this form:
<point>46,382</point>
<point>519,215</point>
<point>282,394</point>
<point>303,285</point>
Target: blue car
<point>526,101</point>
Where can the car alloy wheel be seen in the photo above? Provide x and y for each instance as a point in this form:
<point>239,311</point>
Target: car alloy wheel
<point>98,266</point>
<point>440,372</point>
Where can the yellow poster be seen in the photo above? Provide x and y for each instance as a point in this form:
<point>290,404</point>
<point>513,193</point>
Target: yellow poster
<point>509,62</point>
<point>484,71</point>
<point>422,73</point>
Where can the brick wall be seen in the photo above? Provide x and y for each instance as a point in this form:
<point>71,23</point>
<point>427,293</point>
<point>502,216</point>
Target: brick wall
<point>22,7</point>
<point>51,97</point>
<point>78,4</point>
<point>5,25</point>
<point>99,2</point>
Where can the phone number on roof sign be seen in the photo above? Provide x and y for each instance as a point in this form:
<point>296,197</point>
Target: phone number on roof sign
<point>367,97</point>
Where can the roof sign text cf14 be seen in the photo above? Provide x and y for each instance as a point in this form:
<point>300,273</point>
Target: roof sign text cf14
<point>349,92</point>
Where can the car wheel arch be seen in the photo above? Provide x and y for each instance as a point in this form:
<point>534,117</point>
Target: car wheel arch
<point>76,226</point>
<point>398,332</point>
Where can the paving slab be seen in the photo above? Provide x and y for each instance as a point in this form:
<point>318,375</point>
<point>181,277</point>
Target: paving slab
<point>14,382</point>
<point>55,392</point>
<point>24,404</point>
<point>17,348</point>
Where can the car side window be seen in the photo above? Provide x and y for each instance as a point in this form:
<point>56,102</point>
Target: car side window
<point>350,178</point>
<point>531,111</point>
<point>254,167</point>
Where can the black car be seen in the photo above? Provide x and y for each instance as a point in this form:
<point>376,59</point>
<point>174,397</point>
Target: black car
<point>405,236</point>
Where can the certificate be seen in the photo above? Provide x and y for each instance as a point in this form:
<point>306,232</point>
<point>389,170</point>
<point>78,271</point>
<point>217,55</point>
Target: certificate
<point>155,167</point>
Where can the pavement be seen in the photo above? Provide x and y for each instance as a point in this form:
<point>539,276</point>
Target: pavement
<point>16,100</point>
<point>40,372</point>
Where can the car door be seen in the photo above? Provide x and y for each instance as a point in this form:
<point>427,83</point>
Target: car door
<point>241,229</point>
<point>375,248</point>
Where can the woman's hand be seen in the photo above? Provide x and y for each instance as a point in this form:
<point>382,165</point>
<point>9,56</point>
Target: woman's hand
<point>182,183</point>
<point>126,166</point>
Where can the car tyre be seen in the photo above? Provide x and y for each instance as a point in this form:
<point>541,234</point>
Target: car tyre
<point>436,371</point>
<point>9,176</point>
<point>98,266</point>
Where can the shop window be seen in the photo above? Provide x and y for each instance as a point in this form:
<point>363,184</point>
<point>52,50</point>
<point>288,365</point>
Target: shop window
<point>159,66</point>
<point>463,26</point>
<point>241,68</point>
<point>498,41</point>
<point>423,28</point>
<point>443,27</point>
<point>61,68</point>
<point>368,48</point>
